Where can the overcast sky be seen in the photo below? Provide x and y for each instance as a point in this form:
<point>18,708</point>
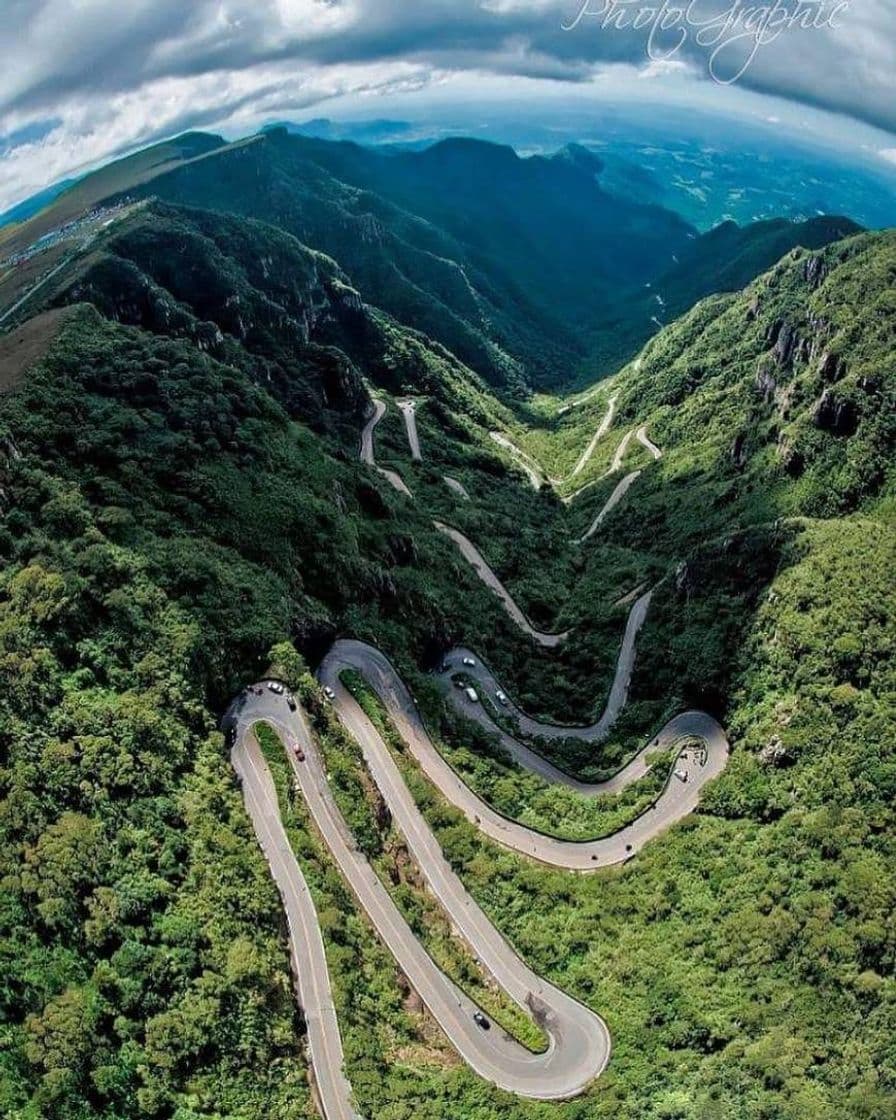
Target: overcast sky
<point>84,79</point>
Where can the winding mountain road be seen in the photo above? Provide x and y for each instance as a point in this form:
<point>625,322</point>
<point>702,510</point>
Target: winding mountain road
<point>677,800</point>
<point>579,1043</point>
<point>524,461</point>
<point>595,439</point>
<point>457,487</point>
<point>367,453</point>
<point>481,566</point>
<point>487,685</point>
<point>309,962</point>
<point>408,410</point>
<point>578,1040</point>
<point>625,484</point>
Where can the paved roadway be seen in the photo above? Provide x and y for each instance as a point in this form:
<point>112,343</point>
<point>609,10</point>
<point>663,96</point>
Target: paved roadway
<point>528,728</point>
<point>621,489</point>
<point>525,461</point>
<point>472,554</point>
<point>579,1043</point>
<point>677,800</point>
<point>457,487</point>
<point>367,455</point>
<point>409,412</point>
<point>624,485</point>
<point>40,284</point>
<point>306,945</point>
<point>596,438</point>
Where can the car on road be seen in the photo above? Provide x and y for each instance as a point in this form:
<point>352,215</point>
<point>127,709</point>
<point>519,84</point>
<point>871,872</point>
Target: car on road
<point>472,695</point>
<point>291,701</point>
<point>299,753</point>
<point>480,1020</point>
<point>276,688</point>
<point>501,697</point>
<point>329,693</point>
<point>469,661</point>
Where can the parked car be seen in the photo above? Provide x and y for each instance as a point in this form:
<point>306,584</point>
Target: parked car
<point>291,700</point>
<point>472,695</point>
<point>480,1020</point>
<point>501,697</point>
<point>469,661</point>
<point>275,687</point>
<point>329,693</point>
<point>682,775</point>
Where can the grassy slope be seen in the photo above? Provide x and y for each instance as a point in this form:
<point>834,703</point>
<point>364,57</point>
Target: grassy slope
<point>120,175</point>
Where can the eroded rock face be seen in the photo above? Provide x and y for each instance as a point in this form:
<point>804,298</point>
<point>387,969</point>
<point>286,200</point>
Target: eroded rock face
<point>831,367</point>
<point>791,457</point>
<point>765,381</point>
<point>739,451</point>
<point>834,414</point>
<point>814,272</point>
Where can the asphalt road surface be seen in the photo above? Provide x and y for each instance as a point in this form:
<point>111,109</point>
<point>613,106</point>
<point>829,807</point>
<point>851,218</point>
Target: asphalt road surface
<point>525,462</point>
<point>367,455</point>
<point>306,945</point>
<point>457,487</point>
<point>409,412</point>
<point>596,438</point>
<point>621,489</point>
<point>472,554</point>
<point>579,1043</point>
<point>678,798</point>
<point>486,685</point>
<point>578,1040</point>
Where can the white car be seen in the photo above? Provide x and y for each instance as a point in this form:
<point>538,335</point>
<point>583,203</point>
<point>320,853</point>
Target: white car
<point>470,662</point>
<point>682,775</point>
<point>501,697</point>
<point>276,688</point>
<point>329,693</point>
<point>472,695</point>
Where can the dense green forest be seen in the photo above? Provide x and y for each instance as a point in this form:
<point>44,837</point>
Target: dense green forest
<point>180,491</point>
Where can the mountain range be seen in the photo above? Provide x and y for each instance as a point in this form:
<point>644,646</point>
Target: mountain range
<point>185,508</point>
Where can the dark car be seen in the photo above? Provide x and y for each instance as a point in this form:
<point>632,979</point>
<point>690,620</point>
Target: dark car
<point>291,700</point>
<point>480,1020</point>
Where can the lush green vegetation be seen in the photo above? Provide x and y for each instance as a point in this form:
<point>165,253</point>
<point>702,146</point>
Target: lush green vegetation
<point>526,269</point>
<point>182,492</point>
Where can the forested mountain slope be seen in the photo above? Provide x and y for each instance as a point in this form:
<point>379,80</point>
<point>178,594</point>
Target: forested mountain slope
<point>724,260</point>
<point>508,262</point>
<point>181,491</point>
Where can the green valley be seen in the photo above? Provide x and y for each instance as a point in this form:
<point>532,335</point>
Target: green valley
<point>184,512</point>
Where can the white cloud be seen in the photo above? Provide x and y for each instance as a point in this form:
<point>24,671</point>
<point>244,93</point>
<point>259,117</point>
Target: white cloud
<point>116,73</point>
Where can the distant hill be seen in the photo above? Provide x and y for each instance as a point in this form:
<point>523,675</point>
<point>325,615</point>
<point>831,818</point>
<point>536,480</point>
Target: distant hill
<point>724,260</point>
<point>54,207</point>
<point>34,204</point>
<point>495,256</point>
